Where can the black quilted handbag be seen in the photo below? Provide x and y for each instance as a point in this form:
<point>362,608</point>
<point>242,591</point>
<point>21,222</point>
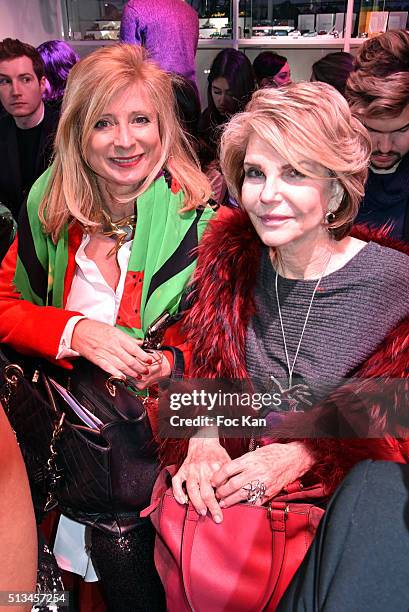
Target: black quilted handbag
<point>98,476</point>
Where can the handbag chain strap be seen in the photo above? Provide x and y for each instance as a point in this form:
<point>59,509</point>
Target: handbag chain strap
<point>53,475</point>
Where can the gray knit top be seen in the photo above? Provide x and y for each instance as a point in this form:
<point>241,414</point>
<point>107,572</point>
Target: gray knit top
<point>353,310</point>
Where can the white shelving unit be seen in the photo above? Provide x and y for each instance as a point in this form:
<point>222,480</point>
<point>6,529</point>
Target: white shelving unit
<point>104,29</point>
<point>236,24</point>
<point>301,52</point>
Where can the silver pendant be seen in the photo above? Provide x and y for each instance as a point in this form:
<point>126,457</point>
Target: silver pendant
<point>297,396</point>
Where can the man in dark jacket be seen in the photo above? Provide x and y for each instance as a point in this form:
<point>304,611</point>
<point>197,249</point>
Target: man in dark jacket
<point>28,127</point>
<point>378,93</point>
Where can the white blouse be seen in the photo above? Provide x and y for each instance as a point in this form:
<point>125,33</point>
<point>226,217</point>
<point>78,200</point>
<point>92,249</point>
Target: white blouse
<point>91,295</point>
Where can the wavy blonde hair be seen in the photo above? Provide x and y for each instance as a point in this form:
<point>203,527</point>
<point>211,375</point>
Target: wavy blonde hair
<point>73,190</point>
<point>303,121</point>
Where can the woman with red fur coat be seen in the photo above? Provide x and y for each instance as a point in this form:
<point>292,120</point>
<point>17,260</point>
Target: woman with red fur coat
<point>297,305</point>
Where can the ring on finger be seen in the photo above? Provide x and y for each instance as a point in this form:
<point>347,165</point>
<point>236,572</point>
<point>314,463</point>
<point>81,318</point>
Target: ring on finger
<point>156,357</point>
<point>255,490</point>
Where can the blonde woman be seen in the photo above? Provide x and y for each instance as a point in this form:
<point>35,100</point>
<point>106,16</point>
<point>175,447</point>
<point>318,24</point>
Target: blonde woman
<point>104,247</point>
<point>297,304</point>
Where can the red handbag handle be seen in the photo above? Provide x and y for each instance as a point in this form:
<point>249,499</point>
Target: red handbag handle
<point>189,529</point>
<point>277,517</point>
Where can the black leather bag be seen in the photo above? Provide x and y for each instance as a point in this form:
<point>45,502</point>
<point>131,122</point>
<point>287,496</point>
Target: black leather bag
<point>100,477</point>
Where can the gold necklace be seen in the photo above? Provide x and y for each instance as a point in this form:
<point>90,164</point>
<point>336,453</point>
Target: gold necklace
<point>121,231</point>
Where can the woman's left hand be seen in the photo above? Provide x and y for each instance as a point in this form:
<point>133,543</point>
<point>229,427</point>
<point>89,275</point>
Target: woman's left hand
<point>275,466</point>
<point>160,368</point>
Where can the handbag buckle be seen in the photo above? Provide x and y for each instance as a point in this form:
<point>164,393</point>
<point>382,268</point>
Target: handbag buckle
<point>11,374</point>
<point>112,382</point>
<point>286,510</point>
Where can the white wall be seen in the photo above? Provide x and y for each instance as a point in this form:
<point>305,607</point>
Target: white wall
<point>32,21</point>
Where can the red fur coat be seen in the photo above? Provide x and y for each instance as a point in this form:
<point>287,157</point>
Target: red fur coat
<point>216,328</point>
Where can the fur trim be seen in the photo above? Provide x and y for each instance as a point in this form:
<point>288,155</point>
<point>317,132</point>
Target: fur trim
<point>381,236</point>
<point>223,302</point>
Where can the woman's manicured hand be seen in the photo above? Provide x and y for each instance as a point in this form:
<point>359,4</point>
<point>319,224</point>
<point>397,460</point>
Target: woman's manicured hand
<point>205,457</point>
<point>274,465</point>
<point>159,368</point>
<point>111,349</point>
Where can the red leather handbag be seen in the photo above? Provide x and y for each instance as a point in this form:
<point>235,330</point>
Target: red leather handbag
<point>243,564</point>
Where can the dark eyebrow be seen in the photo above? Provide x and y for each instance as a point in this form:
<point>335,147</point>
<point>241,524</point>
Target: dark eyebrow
<point>7,76</point>
<point>404,127</point>
<point>220,89</point>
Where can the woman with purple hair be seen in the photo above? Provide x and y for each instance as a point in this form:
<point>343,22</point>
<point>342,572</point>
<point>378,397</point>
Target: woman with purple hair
<point>58,57</point>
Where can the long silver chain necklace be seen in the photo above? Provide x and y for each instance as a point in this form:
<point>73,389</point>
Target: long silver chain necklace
<point>291,367</point>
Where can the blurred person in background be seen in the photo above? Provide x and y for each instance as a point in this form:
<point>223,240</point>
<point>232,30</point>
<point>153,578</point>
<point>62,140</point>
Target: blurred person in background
<point>188,108</point>
<point>231,84</point>
<point>378,93</point>
<point>169,31</point>
<point>271,69</point>
<point>334,69</point>
<point>28,127</point>
<point>58,57</point>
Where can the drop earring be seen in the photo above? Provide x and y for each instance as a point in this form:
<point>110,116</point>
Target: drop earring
<point>334,204</point>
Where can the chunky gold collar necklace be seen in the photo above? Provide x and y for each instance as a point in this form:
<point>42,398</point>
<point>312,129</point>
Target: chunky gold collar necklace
<point>121,231</point>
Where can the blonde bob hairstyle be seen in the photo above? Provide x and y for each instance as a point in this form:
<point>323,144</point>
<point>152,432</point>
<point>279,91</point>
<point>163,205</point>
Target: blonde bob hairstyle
<point>303,122</point>
<point>73,190</point>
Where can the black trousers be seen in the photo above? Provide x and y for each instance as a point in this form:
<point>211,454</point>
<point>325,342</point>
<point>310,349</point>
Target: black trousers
<point>126,569</point>
<point>359,560</point>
